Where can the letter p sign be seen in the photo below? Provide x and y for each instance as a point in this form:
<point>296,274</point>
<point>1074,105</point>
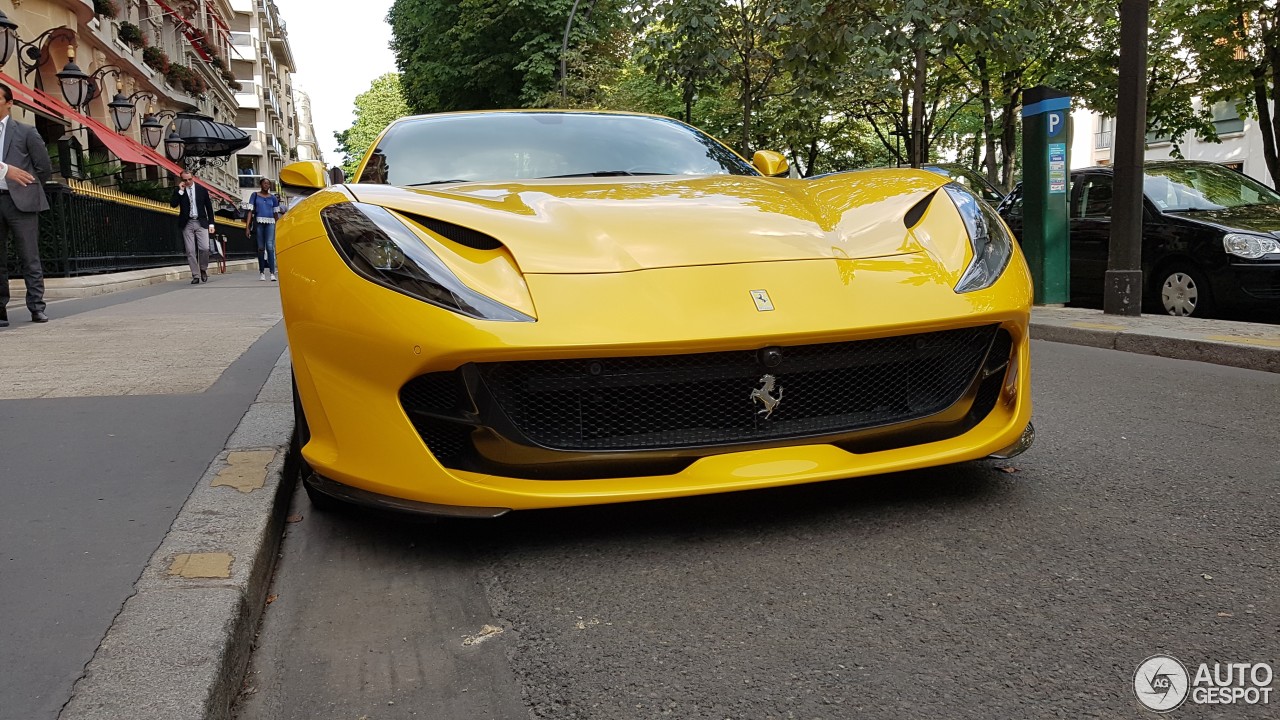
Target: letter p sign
<point>1055,122</point>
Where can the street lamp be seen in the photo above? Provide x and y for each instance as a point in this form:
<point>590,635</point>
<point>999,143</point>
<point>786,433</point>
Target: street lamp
<point>8,37</point>
<point>122,110</point>
<point>153,129</point>
<point>77,86</point>
<point>174,146</point>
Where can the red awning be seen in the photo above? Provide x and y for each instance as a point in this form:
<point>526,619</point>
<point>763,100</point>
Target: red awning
<point>123,147</point>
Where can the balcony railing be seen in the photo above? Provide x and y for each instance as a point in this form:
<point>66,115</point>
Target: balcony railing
<point>1102,140</point>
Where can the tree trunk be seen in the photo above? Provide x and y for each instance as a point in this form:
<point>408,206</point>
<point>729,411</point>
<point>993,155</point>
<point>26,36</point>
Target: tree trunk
<point>1265,121</point>
<point>917,110</point>
<point>1009,139</point>
<point>988,122</point>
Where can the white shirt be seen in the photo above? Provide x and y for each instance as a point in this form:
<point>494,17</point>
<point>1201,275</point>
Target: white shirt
<point>4,127</point>
<point>191,199</point>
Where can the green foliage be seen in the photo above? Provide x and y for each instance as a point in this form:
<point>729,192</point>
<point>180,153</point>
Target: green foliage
<point>131,35</point>
<point>375,108</point>
<point>485,54</point>
<point>156,59</point>
<point>838,84</point>
<point>149,189</point>
<point>106,8</point>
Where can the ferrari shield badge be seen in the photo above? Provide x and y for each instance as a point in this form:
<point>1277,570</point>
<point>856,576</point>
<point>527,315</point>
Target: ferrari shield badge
<point>763,303</point>
<point>764,394</point>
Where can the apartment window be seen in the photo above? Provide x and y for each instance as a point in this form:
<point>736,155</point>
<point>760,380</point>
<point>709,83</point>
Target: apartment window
<point>1106,130</point>
<point>1226,118</point>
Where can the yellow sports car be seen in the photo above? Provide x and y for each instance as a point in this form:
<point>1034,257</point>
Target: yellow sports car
<point>521,309</point>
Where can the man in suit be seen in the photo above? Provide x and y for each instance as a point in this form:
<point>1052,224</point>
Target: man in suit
<point>195,219</point>
<point>21,200</point>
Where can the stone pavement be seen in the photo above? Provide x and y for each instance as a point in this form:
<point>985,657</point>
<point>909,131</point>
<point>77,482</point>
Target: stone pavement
<point>172,609</point>
<point>110,415</point>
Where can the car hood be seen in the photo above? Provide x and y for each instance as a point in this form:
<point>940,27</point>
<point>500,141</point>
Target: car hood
<point>1264,219</point>
<point>597,225</point>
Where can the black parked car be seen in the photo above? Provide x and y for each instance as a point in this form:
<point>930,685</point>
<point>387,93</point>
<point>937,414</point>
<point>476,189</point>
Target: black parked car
<point>1209,238</point>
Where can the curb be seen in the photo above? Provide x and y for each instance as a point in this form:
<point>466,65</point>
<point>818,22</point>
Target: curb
<point>180,646</point>
<point>1241,351</point>
<point>91,285</point>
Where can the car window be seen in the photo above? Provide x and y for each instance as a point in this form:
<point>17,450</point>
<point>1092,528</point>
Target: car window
<point>1202,186</point>
<point>1011,206</point>
<point>1093,198</point>
<point>528,145</point>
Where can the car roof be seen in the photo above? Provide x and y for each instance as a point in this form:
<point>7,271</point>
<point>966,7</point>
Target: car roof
<point>1110,169</point>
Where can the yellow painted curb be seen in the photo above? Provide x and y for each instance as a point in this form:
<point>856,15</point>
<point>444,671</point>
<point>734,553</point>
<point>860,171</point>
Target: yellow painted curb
<point>246,471</point>
<point>202,565</point>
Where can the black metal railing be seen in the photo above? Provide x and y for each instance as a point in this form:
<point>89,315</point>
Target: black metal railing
<point>84,233</point>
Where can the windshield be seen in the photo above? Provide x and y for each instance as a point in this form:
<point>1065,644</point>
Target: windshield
<point>524,146</point>
<point>1175,188</point>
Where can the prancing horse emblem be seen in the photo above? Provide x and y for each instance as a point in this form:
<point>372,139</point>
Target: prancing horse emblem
<point>764,395</point>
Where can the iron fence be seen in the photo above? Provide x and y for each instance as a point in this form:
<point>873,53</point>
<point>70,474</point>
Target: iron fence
<point>86,232</point>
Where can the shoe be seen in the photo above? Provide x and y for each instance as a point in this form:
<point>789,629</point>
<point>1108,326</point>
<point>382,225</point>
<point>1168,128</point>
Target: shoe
<point>204,277</point>
<point>262,276</point>
<point>195,281</point>
<point>4,317</point>
<point>273,277</point>
<point>39,317</point>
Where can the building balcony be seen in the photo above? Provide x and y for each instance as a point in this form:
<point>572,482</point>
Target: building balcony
<point>1102,140</point>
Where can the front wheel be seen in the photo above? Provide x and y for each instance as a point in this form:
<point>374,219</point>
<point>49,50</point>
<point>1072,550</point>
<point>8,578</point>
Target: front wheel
<point>1184,291</point>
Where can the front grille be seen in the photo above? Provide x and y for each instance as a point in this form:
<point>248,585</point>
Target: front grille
<point>705,399</point>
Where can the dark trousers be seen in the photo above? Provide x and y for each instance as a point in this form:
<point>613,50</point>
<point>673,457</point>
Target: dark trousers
<point>26,233</point>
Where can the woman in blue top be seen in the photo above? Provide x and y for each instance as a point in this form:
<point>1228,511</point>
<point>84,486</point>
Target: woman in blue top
<point>264,206</point>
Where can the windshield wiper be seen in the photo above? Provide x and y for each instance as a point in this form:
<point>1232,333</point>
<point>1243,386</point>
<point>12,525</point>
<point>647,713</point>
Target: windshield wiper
<point>601,173</point>
<point>435,182</point>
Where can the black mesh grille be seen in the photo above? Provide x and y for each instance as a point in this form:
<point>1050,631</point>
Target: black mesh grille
<point>435,392</point>
<point>447,441</point>
<point>706,399</point>
<point>995,369</point>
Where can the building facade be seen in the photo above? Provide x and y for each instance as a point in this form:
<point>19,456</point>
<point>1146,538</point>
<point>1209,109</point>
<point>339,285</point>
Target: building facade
<point>163,56</point>
<point>1240,146</point>
<point>308,147</point>
<point>263,64</point>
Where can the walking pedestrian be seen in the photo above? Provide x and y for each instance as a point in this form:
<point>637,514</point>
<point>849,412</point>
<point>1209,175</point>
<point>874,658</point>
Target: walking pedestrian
<point>195,219</point>
<point>22,199</point>
<point>264,207</point>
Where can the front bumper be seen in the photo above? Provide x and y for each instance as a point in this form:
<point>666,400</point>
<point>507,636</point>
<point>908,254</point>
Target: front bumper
<point>355,346</point>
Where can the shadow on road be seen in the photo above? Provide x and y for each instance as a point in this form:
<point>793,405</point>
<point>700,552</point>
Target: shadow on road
<point>898,498</point>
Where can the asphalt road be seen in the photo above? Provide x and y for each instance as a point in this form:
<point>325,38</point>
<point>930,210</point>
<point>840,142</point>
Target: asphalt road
<point>91,476</point>
<point>1142,522</point>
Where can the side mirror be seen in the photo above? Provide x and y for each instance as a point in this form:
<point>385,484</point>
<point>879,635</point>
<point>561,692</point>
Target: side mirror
<point>770,163</point>
<point>305,174</point>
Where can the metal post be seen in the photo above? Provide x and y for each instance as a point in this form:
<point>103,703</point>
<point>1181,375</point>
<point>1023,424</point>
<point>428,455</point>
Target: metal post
<point>1123,293</point>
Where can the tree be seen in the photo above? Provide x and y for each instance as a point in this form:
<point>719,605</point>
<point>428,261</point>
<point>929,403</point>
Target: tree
<point>1234,46</point>
<point>375,108</point>
<point>491,54</point>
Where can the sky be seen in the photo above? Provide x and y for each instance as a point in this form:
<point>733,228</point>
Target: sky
<point>339,47</point>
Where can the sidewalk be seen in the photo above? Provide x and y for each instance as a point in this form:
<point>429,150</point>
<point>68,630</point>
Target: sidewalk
<point>1253,346</point>
<point>111,414</point>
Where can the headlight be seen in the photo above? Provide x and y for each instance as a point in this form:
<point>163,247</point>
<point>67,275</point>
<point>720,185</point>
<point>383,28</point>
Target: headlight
<point>1249,246</point>
<point>992,245</point>
<point>382,249</point>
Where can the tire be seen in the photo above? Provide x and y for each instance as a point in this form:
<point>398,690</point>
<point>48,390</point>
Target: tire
<point>1182,290</point>
<point>301,434</point>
